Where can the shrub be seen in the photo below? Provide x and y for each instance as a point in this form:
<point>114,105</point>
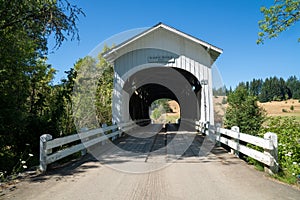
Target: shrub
<point>284,110</point>
<point>224,100</point>
<point>288,133</point>
<point>292,107</point>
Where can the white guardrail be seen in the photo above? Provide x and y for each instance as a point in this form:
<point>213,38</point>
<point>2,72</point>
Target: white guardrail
<point>232,139</point>
<point>90,138</point>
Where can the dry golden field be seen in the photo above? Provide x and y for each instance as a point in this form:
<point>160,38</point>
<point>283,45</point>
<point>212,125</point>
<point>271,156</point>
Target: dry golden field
<point>286,108</point>
<point>274,108</point>
<point>289,107</point>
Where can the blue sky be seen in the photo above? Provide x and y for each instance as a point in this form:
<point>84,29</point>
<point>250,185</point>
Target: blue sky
<point>228,24</point>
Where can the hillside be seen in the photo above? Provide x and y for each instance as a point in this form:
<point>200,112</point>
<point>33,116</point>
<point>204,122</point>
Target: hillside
<point>273,108</point>
<point>282,108</point>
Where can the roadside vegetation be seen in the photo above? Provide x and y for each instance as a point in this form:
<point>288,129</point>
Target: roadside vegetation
<point>281,116</point>
<point>30,104</point>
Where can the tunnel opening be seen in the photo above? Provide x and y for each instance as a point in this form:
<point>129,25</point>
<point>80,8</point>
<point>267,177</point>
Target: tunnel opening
<point>151,84</point>
<point>142,98</point>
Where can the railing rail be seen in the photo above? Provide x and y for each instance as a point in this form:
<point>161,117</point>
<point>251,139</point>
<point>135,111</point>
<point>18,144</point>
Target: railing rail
<point>90,138</point>
<point>232,138</point>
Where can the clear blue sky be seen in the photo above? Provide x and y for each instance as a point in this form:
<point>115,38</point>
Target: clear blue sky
<point>229,24</point>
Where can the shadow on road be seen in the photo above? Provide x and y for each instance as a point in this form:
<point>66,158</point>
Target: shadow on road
<point>158,145</point>
<point>71,168</point>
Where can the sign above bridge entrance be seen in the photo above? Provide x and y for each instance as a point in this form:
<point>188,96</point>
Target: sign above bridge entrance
<point>185,40</point>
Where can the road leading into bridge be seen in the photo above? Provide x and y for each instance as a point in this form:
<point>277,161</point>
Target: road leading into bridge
<point>218,175</point>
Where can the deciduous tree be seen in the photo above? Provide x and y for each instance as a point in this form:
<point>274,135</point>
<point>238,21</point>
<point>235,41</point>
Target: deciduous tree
<point>278,18</point>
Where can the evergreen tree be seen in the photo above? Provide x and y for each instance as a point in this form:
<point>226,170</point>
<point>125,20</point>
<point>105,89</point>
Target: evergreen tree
<point>293,85</point>
<point>243,112</point>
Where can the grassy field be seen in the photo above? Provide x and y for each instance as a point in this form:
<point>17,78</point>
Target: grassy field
<point>288,108</point>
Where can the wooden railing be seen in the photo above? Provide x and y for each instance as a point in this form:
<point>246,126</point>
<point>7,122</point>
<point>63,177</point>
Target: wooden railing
<point>232,138</point>
<point>90,138</point>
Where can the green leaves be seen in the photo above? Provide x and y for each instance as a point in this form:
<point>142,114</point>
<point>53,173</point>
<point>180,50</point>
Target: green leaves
<point>29,104</point>
<point>243,112</point>
<point>278,18</point>
<point>288,132</point>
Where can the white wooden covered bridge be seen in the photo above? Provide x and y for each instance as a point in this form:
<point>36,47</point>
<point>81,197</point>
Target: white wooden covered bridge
<point>162,62</point>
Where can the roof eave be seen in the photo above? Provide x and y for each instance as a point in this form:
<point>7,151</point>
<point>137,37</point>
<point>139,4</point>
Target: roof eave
<point>110,55</point>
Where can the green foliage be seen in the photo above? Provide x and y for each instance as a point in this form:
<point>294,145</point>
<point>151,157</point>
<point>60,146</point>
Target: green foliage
<point>274,89</point>
<point>35,21</point>
<point>278,18</point>
<point>224,100</point>
<point>243,112</point>
<point>159,107</point>
<point>29,104</point>
<point>292,108</point>
<point>294,86</point>
<point>288,132</point>
<point>104,91</point>
<point>93,89</point>
<point>83,98</point>
<point>163,103</point>
<point>284,110</point>
<point>156,113</point>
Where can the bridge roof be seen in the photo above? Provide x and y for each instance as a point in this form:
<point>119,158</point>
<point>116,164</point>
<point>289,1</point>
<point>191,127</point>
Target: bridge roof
<point>214,51</point>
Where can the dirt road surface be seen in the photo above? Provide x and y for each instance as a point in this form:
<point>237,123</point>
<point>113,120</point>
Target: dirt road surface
<point>218,175</point>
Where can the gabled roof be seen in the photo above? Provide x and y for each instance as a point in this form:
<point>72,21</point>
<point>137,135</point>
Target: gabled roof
<point>211,49</point>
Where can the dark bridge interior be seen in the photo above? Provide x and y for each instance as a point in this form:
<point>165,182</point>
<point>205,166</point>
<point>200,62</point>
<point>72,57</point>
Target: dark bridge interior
<point>148,85</point>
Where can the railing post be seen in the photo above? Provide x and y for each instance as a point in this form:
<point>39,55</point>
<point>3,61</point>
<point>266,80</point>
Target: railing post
<point>103,126</point>
<point>44,152</point>
<point>272,152</point>
<point>218,134</point>
<point>236,152</point>
<point>207,124</point>
<point>84,151</point>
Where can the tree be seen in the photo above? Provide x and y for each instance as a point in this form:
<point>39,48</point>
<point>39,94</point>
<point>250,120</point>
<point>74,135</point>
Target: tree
<point>278,18</point>
<point>28,102</point>
<point>104,90</point>
<point>274,89</point>
<point>92,97</point>
<point>255,87</point>
<point>293,84</point>
<point>243,112</point>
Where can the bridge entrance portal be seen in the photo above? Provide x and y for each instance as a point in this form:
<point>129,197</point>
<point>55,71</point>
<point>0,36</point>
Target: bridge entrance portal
<point>162,62</point>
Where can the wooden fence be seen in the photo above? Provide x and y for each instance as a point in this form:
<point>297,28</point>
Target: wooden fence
<point>90,138</point>
<point>231,138</point>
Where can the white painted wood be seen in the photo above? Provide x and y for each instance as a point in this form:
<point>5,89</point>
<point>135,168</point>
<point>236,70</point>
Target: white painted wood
<point>88,138</point>
<point>270,155</point>
<point>272,151</point>
<point>66,152</point>
<point>261,142</point>
<point>162,37</point>
<point>43,151</point>
<point>71,138</point>
<point>264,158</point>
